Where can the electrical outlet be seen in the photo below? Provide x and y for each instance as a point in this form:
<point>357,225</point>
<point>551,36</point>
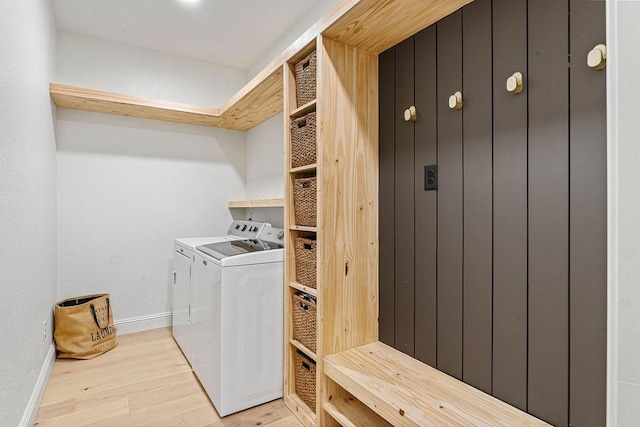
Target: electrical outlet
<point>44,331</point>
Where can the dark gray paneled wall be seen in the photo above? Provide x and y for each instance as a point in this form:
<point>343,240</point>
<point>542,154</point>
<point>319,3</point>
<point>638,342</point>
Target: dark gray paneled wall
<point>498,278</point>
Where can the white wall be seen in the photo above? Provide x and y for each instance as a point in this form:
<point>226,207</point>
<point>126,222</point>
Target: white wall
<point>27,200</point>
<point>291,35</point>
<point>265,169</point>
<point>114,67</point>
<point>128,186</point>
<point>623,68</point>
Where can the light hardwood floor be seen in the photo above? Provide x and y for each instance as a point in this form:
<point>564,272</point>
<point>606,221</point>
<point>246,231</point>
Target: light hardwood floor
<point>145,380</point>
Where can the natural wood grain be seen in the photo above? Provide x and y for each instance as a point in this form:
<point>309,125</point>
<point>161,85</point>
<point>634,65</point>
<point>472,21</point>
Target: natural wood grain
<point>376,25</point>
<point>262,203</point>
<point>305,168</point>
<point>303,228</point>
<point>347,204</point>
<point>350,412</point>
<point>303,348</point>
<point>301,111</point>
<point>406,391</point>
<point>145,380</point>
<point>304,288</point>
<point>300,410</point>
<point>114,103</point>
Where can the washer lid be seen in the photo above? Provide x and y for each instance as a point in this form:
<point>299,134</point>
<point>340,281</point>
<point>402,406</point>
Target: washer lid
<point>221,250</point>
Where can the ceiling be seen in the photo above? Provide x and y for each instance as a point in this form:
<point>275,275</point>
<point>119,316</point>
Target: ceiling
<point>231,33</point>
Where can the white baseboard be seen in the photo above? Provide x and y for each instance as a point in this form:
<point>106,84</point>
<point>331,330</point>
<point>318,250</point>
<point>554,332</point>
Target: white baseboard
<point>143,323</point>
<point>31,412</point>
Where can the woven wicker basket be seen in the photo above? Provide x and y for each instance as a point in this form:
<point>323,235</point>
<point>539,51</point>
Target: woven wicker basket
<point>306,262</point>
<point>303,140</point>
<point>304,200</point>
<point>306,79</point>
<point>306,379</point>
<point>304,320</point>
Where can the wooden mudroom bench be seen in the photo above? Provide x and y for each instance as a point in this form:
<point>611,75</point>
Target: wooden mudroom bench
<point>404,391</point>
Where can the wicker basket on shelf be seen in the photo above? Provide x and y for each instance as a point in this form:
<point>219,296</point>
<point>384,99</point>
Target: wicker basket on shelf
<point>303,140</point>
<point>305,375</point>
<point>304,200</point>
<point>304,320</point>
<point>306,79</point>
<point>306,262</point>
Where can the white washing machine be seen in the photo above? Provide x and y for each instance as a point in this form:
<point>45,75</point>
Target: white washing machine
<point>184,261</point>
<point>236,322</point>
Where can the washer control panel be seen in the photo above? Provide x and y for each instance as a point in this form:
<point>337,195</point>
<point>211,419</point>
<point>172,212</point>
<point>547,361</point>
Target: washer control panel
<point>246,229</point>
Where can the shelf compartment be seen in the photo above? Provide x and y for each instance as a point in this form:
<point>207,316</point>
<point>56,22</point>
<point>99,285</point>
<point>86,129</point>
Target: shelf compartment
<point>301,111</point>
<point>350,412</point>
<point>297,344</point>
<point>305,168</point>
<point>300,409</point>
<point>303,288</point>
<point>258,203</point>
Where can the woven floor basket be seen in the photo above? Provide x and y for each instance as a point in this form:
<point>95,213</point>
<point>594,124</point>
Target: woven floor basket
<point>306,262</point>
<point>304,321</point>
<point>306,79</point>
<point>306,380</point>
<point>303,140</point>
<point>304,200</point>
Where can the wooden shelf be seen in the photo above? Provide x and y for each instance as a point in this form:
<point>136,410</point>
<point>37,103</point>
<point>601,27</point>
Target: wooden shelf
<point>303,288</point>
<point>301,111</point>
<point>300,409</point>
<point>303,228</point>
<point>305,168</point>
<point>350,412</point>
<point>370,25</point>
<point>297,344</point>
<point>258,101</point>
<point>260,203</point>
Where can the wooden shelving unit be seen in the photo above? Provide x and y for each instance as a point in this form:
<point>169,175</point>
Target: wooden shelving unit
<point>259,203</point>
<point>347,228</point>
<point>308,416</point>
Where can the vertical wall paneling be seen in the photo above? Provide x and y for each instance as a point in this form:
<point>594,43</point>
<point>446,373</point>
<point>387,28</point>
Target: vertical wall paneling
<point>499,276</point>
<point>588,221</point>
<point>387,181</point>
<point>404,202</point>
<point>449,63</point>
<point>425,201</point>
<point>510,205</point>
<point>548,92</point>
<point>478,174</point>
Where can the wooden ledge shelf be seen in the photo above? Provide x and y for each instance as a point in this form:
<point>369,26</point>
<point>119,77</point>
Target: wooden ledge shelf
<point>304,228</point>
<point>405,391</point>
<point>297,344</point>
<point>261,203</point>
<point>350,412</point>
<point>305,168</point>
<point>301,111</point>
<point>370,25</point>
<point>303,288</point>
